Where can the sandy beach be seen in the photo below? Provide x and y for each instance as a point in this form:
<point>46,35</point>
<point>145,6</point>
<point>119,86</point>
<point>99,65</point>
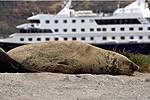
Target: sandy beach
<point>53,86</point>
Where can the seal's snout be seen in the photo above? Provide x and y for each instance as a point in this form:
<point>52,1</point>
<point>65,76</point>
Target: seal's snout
<point>134,67</point>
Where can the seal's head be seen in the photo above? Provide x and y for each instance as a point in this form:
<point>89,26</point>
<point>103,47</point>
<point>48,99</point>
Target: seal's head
<point>132,67</point>
<point>128,67</point>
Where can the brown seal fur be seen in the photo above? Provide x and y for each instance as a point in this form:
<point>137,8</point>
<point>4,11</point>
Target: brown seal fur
<point>72,57</point>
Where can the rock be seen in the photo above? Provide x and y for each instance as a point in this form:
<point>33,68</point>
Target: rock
<point>7,64</point>
<point>147,80</point>
<point>96,78</point>
<point>72,57</point>
<point>71,78</point>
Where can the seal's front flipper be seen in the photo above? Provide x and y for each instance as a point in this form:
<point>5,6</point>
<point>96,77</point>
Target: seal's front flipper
<point>62,68</point>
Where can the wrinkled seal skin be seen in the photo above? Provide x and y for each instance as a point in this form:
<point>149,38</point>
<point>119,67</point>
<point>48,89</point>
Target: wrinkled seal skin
<point>7,64</point>
<point>72,57</point>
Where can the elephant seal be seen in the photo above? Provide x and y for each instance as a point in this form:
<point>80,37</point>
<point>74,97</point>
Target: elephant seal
<point>7,64</point>
<point>72,57</point>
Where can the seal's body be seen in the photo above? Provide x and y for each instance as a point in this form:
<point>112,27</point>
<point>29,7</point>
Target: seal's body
<point>72,57</point>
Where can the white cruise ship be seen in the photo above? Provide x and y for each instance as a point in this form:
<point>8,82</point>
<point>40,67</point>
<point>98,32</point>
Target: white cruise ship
<point>126,29</point>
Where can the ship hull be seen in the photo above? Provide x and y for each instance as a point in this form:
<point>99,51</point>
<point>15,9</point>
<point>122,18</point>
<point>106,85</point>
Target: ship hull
<point>143,48</point>
<point>9,46</point>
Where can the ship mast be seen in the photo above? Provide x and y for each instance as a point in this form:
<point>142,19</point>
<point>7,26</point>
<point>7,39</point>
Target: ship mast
<point>65,12</point>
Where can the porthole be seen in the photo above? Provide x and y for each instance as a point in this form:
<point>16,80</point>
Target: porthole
<point>122,29</point>
<point>82,38</point>
<point>74,38</point>
<point>82,29</point>
<point>65,30</point>
<point>113,29</point>
<point>140,28</point>
<point>131,28</point>
<point>104,29</point>
<point>98,29</point>
<point>73,30</point>
<point>91,38</point>
<point>56,21</point>
<point>65,21</point>
<point>47,21</point>
<point>47,39</point>
<point>73,21</point>
<point>122,37</point>
<point>30,39</point>
<point>140,37</point>
<point>56,30</point>
<point>21,39</point>
<point>131,37</point>
<point>65,38</point>
<point>104,38</point>
<point>113,38</point>
<point>91,29</point>
<point>38,39</point>
<point>82,20</point>
<point>56,38</point>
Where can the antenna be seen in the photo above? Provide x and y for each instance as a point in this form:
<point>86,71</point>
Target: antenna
<point>118,5</point>
<point>68,4</point>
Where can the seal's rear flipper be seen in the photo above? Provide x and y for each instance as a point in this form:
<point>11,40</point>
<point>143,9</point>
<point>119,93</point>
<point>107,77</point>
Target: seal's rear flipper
<point>7,64</point>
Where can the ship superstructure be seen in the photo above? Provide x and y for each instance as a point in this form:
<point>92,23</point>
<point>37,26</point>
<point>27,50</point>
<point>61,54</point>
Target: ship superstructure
<point>126,28</point>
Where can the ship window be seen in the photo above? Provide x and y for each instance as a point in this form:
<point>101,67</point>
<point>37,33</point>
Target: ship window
<point>21,39</point>
<point>91,29</point>
<point>45,31</point>
<point>74,38</point>
<point>82,29</point>
<point>122,29</point>
<point>30,39</point>
<point>56,38</point>
<point>140,37</point>
<point>116,21</point>
<point>113,29</point>
<point>98,29</point>
<point>73,21</point>
<point>73,30</point>
<point>47,21</point>
<point>148,28</point>
<point>47,39</point>
<point>65,30</point>
<point>104,29</point>
<point>122,37</point>
<point>131,37</point>
<point>91,38</point>
<point>113,38</point>
<point>82,20</point>
<point>140,28</point>
<point>35,21</point>
<point>91,20</point>
<point>56,30</point>
<point>82,38</point>
<point>131,28</point>
<point>38,39</point>
<point>149,37</point>
<point>23,31</point>
<point>40,31</point>
<point>65,38</point>
<point>56,21</point>
<point>32,25</point>
<point>65,21</point>
<point>104,38</point>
